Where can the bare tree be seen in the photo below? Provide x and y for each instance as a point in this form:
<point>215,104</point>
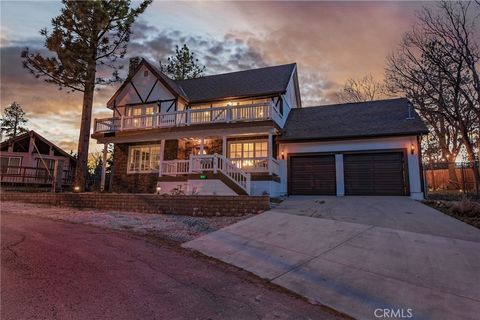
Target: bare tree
<point>361,90</point>
<point>438,80</point>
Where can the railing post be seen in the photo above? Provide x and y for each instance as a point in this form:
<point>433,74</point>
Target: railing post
<point>188,116</point>
<point>190,163</point>
<point>215,163</point>
<point>247,184</point>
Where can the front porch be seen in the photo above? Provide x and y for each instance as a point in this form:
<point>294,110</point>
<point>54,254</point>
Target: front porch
<point>224,165</point>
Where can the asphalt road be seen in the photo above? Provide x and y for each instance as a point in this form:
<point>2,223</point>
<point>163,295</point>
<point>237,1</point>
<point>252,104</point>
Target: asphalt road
<point>56,270</point>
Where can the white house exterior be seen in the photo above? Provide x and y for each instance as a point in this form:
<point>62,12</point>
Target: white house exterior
<point>247,133</point>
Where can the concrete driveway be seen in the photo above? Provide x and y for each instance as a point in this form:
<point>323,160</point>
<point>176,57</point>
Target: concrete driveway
<point>360,255</point>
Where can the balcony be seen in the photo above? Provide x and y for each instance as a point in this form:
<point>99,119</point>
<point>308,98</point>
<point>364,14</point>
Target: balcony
<point>227,114</point>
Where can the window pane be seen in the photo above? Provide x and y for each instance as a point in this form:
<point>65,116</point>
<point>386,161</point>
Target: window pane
<point>248,150</point>
<point>261,149</point>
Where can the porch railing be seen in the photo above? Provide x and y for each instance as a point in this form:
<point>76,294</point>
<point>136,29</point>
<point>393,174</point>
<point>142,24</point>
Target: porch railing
<point>32,175</point>
<point>208,163</point>
<point>264,164</point>
<point>243,113</point>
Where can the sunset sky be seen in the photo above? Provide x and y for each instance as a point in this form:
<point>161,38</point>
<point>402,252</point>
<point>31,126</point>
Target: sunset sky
<point>330,42</point>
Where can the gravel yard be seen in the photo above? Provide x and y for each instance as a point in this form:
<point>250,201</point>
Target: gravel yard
<point>172,227</point>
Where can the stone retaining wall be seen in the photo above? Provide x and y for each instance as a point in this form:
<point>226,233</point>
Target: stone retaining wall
<point>149,203</point>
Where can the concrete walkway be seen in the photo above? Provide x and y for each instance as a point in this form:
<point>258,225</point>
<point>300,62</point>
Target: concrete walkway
<point>359,254</point>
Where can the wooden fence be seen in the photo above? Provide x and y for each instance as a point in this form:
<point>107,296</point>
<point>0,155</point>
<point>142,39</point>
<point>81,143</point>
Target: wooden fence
<point>437,176</point>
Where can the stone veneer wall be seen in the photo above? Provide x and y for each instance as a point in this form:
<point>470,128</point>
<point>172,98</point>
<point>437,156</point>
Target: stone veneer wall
<point>149,203</point>
<point>137,182</point>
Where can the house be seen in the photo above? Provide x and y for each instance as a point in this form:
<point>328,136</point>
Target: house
<point>247,133</point>
<point>31,160</point>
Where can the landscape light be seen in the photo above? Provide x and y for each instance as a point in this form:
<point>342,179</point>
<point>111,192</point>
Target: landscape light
<point>159,189</point>
<point>76,189</point>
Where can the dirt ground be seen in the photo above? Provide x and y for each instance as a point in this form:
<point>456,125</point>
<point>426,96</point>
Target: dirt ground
<point>171,227</point>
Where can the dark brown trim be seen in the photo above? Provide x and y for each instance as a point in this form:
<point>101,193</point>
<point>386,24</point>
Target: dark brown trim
<point>151,90</point>
<point>245,138</point>
<point>171,105</point>
<point>244,97</point>
<point>146,102</point>
<point>138,94</point>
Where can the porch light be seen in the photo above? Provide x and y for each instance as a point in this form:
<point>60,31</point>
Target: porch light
<point>283,155</point>
<point>412,148</point>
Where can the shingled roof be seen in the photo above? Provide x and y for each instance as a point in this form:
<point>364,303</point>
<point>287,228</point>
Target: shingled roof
<point>255,82</point>
<point>351,120</point>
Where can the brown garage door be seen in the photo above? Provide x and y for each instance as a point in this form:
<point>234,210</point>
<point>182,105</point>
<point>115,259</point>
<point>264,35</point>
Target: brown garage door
<point>311,175</point>
<point>374,174</point>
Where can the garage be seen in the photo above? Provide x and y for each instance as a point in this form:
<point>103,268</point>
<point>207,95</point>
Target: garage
<point>312,175</point>
<point>380,173</point>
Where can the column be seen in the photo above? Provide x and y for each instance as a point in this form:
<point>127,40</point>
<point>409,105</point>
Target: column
<point>104,167</point>
<point>270,153</point>
<point>339,175</point>
<point>160,161</point>
<point>224,146</point>
<point>202,142</point>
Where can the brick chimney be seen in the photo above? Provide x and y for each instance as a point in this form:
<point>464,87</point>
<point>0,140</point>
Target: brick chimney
<point>134,62</point>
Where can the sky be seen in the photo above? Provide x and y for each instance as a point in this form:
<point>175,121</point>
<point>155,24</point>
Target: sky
<point>330,42</point>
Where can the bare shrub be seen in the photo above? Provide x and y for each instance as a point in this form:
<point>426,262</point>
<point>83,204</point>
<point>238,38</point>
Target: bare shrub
<point>466,207</point>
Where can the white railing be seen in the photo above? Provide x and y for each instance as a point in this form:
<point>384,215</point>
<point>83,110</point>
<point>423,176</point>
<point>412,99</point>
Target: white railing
<point>204,163</point>
<point>264,164</point>
<point>243,113</point>
<point>174,167</point>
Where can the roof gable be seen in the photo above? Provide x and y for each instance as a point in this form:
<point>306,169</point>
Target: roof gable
<point>39,137</point>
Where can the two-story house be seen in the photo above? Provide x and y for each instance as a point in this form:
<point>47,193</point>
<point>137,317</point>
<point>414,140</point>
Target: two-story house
<point>247,133</point>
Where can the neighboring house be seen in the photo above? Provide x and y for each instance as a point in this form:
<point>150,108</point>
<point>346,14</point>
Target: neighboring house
<point>247,133</point>
<point>31,160</point>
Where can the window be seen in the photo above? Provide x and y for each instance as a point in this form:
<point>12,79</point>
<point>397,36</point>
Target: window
<point>250,149</point>
<point>10,165</point>
<point>143,159</point>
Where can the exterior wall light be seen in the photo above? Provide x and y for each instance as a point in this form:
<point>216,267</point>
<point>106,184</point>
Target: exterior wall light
<point>283,155</point>
<point>412,148</point>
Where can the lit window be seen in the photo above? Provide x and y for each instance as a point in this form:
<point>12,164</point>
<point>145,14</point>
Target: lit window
<point>143,159</point>
<point>247,154</point>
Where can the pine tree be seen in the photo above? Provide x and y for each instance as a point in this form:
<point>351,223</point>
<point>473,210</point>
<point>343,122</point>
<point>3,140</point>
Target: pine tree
<point>13,120</point>
<point>86,35</point>
<point>183,65</point>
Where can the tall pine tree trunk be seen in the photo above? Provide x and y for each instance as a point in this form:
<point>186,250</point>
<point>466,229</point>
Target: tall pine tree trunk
<point>84,138</point>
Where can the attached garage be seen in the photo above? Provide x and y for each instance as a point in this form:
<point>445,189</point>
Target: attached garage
<point>312,175</point>
<point>381,173</point>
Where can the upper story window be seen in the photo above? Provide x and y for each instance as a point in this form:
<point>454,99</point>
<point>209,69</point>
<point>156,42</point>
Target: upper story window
<point>143,159</point>
<point>141,110</point>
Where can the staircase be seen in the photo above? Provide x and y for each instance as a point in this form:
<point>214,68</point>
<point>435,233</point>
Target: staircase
<point>219,164</point>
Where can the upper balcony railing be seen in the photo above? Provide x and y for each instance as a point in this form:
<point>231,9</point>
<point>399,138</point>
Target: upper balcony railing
<point>227,114</point>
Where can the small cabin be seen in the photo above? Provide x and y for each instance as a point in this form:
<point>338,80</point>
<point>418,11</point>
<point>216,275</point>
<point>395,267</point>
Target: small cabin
<point>31,160</point>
